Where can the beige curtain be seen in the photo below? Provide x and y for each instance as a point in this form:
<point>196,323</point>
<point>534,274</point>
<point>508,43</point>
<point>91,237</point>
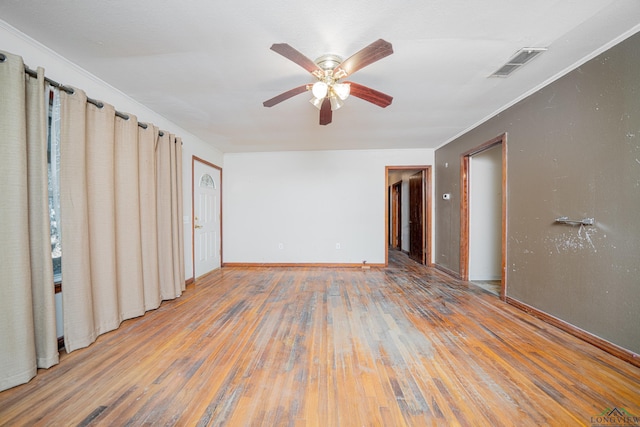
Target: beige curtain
<point>27,308</point>
<point>177,220</point>
<point>121,256</point>
<point>128,221</point>
<point>169,208</point>
<point>147,144</point>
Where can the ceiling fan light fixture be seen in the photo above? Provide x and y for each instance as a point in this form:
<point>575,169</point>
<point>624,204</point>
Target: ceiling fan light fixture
<point>317,102</point>
<point>328,70</point>
<point>328,61</point>
<point>336,103</point>
<point>341,90</point>
<point>319,90</point>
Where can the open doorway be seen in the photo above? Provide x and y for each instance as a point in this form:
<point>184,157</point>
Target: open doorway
<point>483,216</point>
<point>408,211</point>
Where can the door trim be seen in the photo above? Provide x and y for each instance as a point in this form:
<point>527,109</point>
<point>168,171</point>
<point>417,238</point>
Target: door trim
<point>426,210</point>
<point>464,210</point>
<point>195,159</point>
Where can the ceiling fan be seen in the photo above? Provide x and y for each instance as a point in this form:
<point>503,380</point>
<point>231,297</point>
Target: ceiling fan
<point>329,91</point>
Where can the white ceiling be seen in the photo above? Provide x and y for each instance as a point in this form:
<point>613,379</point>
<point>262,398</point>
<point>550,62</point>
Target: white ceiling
<point>206,65</point>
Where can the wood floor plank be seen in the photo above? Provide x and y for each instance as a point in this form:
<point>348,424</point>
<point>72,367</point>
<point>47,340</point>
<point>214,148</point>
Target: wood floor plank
<point>398,346</point>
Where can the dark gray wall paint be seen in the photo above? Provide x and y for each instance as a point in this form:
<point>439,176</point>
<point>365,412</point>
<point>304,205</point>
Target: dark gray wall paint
<point>574,150</point>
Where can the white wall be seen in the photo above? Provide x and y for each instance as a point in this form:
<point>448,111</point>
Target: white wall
<point>63,71</point>
<point>485,215</point>
<point>295,207</point>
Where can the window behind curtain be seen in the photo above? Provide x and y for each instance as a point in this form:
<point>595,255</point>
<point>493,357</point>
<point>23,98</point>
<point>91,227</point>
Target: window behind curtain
<point>53,156</point>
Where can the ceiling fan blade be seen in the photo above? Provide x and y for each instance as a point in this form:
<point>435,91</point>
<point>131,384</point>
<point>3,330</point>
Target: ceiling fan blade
<point>373,96</point>
<point>293,55</point>
<point>325,112</point>
<point>285,95</point>
<point>368,55</point>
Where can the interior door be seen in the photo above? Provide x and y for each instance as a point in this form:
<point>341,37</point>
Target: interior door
<point>416,238</point>
<point>206,218</point>
<point>396,217</point>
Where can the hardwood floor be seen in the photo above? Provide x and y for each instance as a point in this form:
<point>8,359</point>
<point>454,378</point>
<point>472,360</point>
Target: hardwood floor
<point>492,286</point>
<point>399,346</point>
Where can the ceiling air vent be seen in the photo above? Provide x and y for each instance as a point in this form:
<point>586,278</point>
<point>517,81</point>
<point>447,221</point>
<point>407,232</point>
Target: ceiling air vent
<point>521,57</point>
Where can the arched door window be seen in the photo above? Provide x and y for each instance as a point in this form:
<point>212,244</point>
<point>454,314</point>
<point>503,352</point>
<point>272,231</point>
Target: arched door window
<point>207,182</point>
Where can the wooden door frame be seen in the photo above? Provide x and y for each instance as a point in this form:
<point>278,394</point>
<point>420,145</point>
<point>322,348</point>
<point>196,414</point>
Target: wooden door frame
<point>465,160</point>
<point>426,210</point>
<point>195,159</point>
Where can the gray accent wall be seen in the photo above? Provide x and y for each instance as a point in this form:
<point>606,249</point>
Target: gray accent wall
<point>573,149</point>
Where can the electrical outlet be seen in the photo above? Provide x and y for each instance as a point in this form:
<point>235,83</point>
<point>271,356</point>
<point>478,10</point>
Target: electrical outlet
<point>280,245</point>
<point>337,245</point>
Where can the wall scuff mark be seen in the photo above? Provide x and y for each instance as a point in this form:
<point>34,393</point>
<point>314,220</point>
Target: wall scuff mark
<point>573,243</point>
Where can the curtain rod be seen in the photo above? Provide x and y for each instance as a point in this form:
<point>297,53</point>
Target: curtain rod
<point>70,91</point>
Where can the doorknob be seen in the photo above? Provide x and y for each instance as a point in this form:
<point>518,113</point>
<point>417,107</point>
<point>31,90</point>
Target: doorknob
<point>197,226</point>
